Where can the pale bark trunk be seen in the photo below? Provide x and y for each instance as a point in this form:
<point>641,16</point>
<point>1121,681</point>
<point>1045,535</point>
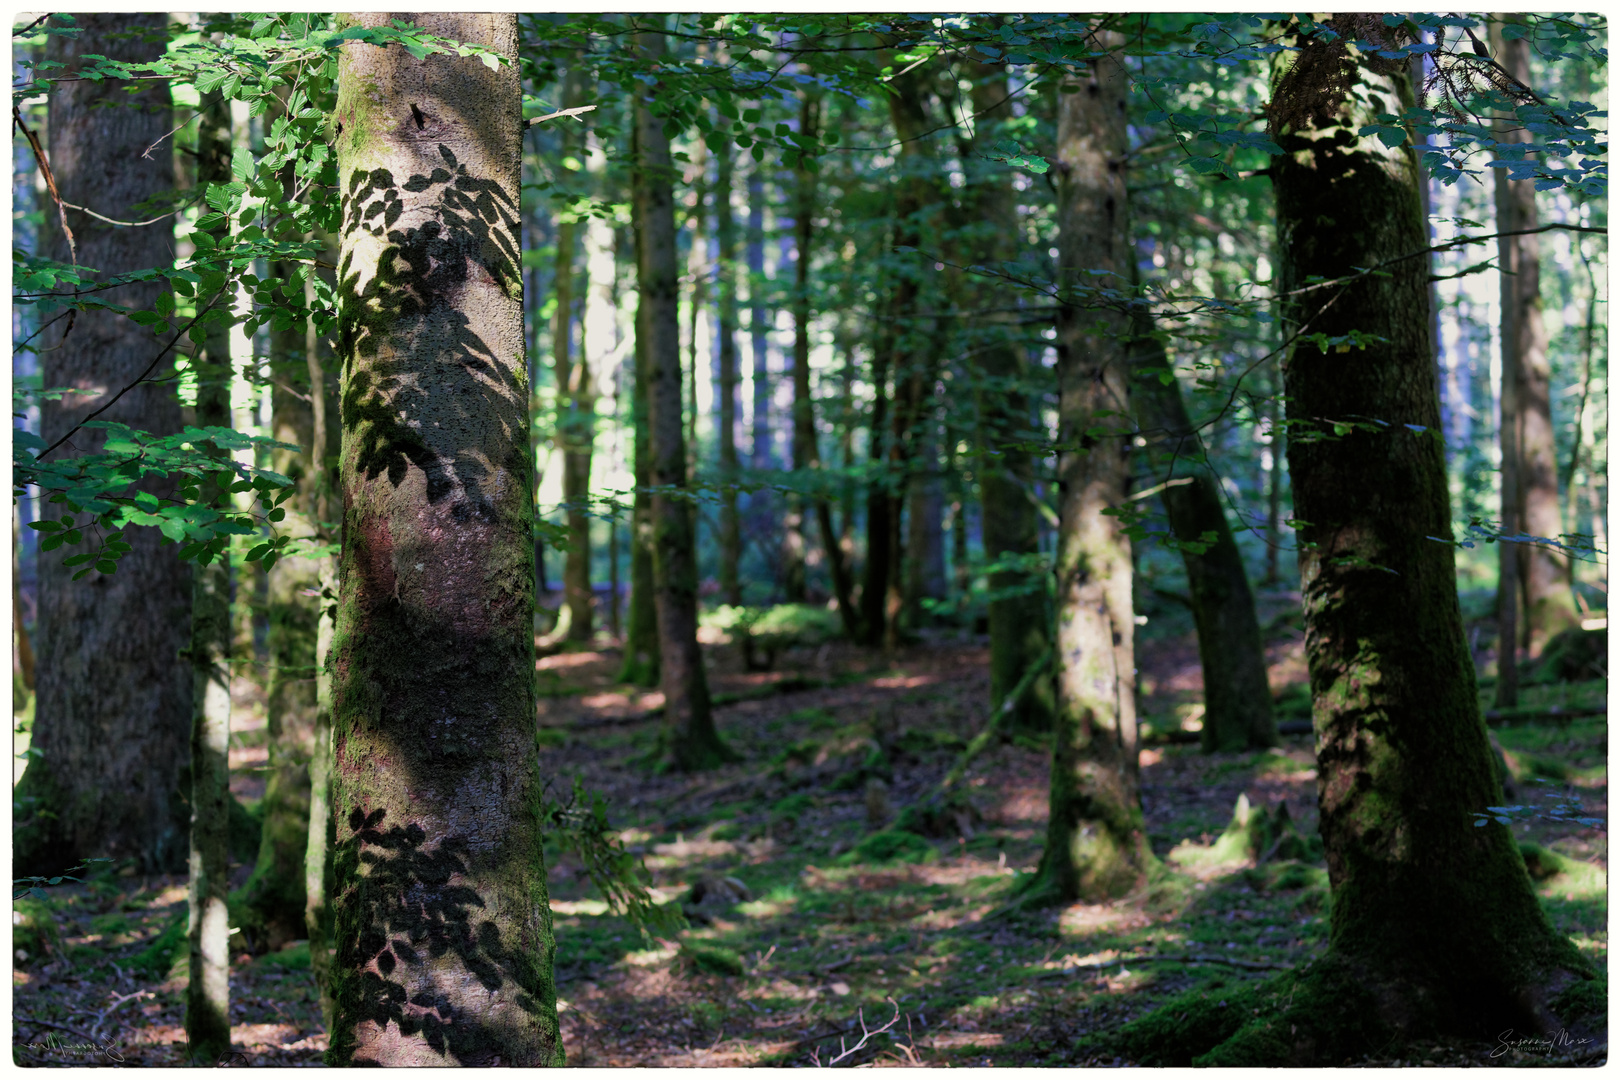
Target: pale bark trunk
<point>208,1007</point>
<point>441,920</point>
<point>326,509</point>
<point>114,699</point>
<point>1096,844</point>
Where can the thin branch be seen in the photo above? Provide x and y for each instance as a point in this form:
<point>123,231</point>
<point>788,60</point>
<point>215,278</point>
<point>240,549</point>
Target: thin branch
<point>149,368</point>
<point>127,224</point>
<point>559,112</point>
<point>50,181</point>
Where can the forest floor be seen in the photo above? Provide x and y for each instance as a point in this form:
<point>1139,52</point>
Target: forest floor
<point>814,926</point>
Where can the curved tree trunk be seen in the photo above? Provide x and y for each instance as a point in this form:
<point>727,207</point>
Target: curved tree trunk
<point>1237,697</point>
<point>1020,631</point>
<point>114,699</point>
<point>1433,918</point>
<point>441,922</point>
<point>1096,845</point>
<point>691,741</point>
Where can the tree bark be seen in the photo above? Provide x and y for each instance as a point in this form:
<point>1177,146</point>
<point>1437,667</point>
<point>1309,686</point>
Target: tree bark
<point>576,397</point>
<point>1433,918</point>
<point>1096,844</point>
<point>1020,630</point>
<point>326,509</point>
<point>730,523</point>
<point>208,1006</point>
<point>441,919</point>
<point>806,454</point>
<point>1237,697</point>
<point>1548,603</point>
<point>273,899</point>
<point>114,702</point>
<point>641,651</point>
<point>915,360</point>
<point>691,741</point>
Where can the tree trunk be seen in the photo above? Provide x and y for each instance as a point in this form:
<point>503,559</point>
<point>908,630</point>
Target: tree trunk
<point>1237,697</point>
<point>805,451</point>
<point>208,1006</point>
<point>441,919</point>
<point>1543,574</point>
<point>1020,631</point>
<point>691,741</point>
<point>915,359</point>
<point>641,652</point>
<point>1096,845</point>
<point>1433,918</point>
<point>326,508</point>
<point>576,398</point>
<point>879,498</point>
<point>274,902</point>
<point>114,701</point>
<point>761,516</point>
<point>730,524</point>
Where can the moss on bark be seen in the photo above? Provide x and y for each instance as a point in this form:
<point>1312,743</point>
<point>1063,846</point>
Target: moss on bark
<point>440,918</point>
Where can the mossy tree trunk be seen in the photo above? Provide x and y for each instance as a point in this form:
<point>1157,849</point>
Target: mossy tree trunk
<point>1237,697</point>
<point>725,228</point>
<point>576,397</point>
<point>441,922</point>
<point>114,702</point>
<point>691,741</point>
<point>208,1006</point>
<point>1434,917</point>
<point>1096,844</point>
<point>1020,630</point>
<point>1542,575</point>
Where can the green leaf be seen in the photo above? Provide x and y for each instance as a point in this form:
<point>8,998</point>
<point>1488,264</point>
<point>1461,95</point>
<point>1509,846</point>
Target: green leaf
<point>491,61</point>
<point>241,163</point>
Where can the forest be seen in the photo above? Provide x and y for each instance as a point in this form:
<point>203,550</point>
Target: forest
<point>809,540</point>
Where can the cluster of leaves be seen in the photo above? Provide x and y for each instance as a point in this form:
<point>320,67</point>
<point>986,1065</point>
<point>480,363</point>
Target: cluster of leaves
<point>1564,809</point>
<point>581,825</point>
<point>283,66</point>
<point>35,885</point>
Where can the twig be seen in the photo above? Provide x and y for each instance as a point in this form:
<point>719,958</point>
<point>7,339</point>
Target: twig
<point>50,181</point>
<point>845,962</point>
<point>161,354</point>
<point>101,1017</point>
<point>982,739</point>
<point>866,1035</point>
<point>559,112</point>
<point>1250,965</point>
<point>127,224</point>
